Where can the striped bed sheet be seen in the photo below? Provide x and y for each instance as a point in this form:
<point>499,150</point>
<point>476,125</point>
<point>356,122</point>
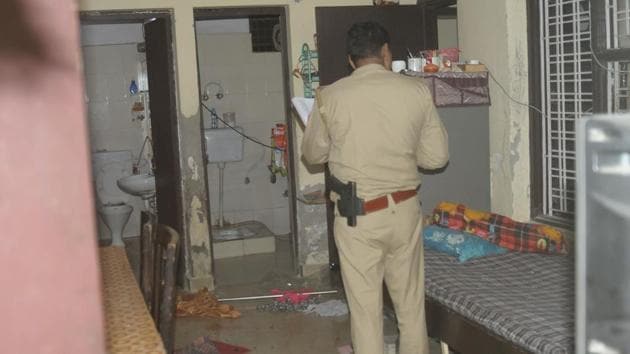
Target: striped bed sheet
<point>526,298</point>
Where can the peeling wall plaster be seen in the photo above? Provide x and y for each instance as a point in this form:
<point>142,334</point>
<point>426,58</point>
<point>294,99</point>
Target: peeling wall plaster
<point>500,41</point>
<point>194,168</point>
<point>199,241</point>
<point>313,229</point>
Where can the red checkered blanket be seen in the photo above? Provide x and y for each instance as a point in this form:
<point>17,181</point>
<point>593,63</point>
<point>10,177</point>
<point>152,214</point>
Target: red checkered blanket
<point>504,231</point>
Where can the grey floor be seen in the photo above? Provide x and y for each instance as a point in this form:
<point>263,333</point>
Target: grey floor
<point>270,332</point>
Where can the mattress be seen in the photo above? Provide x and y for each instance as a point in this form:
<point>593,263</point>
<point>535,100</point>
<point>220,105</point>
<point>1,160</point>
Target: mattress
<point>526,298</point>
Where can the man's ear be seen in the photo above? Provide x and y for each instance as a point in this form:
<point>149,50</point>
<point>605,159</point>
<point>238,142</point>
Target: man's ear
<point>354,67</point>
<point>386,55</point>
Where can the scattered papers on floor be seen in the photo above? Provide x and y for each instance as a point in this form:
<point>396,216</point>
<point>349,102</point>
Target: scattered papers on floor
<point>204,304</point>
<point>331,308</point>
<point>303,106</point>
<point>205,345</point>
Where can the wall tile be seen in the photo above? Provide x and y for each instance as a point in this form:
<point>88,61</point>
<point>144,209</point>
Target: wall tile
<point>228,249</point>
<point>259,245</point>
<point>117,87</point>
<point>277,193</point>
<point>253,87</point>
<point>111,59</point>
<point>281,221</point>
<point>262,195</point>
<point>89,56</point>
<point>108,71</point>
<point>264,216</point>
<point>96,87</point>
<point>98,116</point>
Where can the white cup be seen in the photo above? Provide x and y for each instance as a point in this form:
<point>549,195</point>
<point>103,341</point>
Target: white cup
<point>414,64</point>
<point>398,66</point>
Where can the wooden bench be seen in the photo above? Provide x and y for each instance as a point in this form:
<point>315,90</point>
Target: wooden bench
<point>128,323</point>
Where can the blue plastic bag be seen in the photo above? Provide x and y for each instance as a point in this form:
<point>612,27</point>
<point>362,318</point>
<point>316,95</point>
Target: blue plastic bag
<point>459,244</point>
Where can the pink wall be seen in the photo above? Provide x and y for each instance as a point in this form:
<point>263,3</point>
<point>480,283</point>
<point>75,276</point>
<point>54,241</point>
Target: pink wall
<point>50,297</point>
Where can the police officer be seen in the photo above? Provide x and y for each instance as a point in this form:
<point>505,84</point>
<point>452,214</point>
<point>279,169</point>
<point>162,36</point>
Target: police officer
<point>374,128</point>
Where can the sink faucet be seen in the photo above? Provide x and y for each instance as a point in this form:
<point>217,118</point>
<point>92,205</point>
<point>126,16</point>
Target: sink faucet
<point>135,166</point>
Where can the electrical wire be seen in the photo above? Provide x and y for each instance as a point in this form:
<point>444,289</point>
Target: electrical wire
<point>505,92</point>
<point>216,116</point>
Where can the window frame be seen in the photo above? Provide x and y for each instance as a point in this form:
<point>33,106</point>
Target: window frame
<point>600,95</point>
<point>535,117</point>
<point>605,55</point>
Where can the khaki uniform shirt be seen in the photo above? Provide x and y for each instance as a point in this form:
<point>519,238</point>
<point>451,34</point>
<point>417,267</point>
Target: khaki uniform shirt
<point>375,128</point>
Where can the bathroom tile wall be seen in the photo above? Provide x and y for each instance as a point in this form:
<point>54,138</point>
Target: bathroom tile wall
<point>254,91</point>
<point>109,70</point>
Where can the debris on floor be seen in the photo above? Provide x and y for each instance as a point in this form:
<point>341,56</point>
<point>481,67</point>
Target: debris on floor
<point>288,301</point>
<point>330,308</point>
<point>277,306</point>
<point>204,304</point>
<point>205,345</point>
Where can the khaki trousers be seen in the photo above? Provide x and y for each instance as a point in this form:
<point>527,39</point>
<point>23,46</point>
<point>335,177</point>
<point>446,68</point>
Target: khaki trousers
<point>384,245</point>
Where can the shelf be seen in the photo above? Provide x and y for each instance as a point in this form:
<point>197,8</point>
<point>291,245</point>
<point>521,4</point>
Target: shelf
<point>452,89</point>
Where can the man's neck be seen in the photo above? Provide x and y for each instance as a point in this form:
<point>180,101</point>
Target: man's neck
<point>368,61</point>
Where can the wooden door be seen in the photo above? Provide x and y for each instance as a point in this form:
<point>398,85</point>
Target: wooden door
<point>158,39</point>
<point>411,27</point>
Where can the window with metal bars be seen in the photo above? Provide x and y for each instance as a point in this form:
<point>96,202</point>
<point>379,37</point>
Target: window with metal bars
<point>567,94</point>
<point>617,67</point>
<point>583,66</point>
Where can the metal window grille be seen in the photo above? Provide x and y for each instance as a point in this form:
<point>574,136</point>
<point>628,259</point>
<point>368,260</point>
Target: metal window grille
<point>618,24</point>
<point>618,37</point>
<point>619,86</point>
<point>567,92</point>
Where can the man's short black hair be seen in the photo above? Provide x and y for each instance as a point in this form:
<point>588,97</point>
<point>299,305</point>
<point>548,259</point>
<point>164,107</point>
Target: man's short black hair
<point>365,40</point>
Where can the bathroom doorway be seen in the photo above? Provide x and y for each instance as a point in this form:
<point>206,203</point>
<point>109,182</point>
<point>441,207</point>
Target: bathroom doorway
<point>130,104</point>
<point>244,89</point>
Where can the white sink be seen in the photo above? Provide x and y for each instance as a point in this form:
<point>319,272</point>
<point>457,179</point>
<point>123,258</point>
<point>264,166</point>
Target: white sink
<point>139,185</point>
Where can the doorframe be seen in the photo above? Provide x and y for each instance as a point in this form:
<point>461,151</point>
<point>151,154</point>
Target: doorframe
<point>218,13</point>
<point>141,16</point>
<point>113,17</point>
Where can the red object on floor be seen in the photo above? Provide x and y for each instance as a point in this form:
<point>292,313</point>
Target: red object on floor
<point>292,296</point>
<point>225,348</point>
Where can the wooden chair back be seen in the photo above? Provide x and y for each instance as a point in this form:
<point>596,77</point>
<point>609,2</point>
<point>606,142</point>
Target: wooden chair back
<point>158,270</point>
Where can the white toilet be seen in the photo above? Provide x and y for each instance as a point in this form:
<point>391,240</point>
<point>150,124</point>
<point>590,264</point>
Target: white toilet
<point>108,167</point>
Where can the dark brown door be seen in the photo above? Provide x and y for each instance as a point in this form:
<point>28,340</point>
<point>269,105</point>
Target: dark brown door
<point>411,27</point>
<point>158,39</point>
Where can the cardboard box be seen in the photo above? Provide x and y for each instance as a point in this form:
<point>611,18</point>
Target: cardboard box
<point>473,68</point>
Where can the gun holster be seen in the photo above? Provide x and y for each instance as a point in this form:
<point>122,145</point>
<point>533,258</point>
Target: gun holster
<point>349,205</point>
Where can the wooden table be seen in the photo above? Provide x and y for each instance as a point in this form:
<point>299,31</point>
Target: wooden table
<point>128,324</point>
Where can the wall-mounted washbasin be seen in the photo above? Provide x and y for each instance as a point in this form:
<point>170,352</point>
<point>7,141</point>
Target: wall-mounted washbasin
<point>138,185</point>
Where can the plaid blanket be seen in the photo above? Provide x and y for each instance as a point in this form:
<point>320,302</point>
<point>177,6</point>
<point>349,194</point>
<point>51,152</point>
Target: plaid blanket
<point>504,231</point>
<point>525,298</point>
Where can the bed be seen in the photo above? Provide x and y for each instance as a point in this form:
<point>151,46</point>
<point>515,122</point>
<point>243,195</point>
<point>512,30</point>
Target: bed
<point>512,303</point>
